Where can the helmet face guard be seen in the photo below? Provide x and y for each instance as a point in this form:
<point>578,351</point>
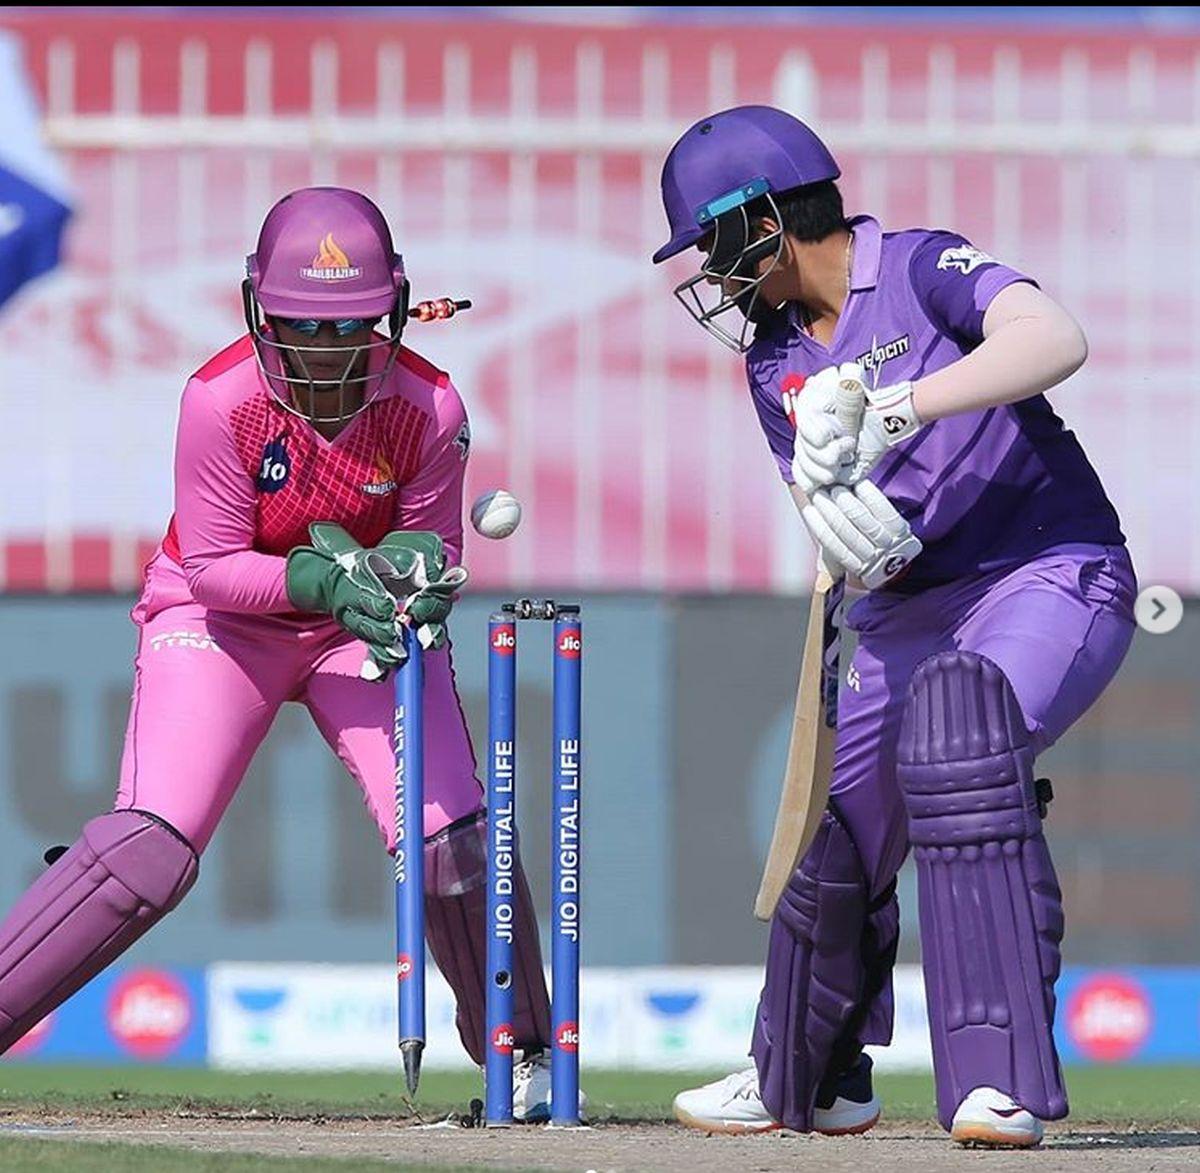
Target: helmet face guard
<point>728,279</point>
<point>285,370</point>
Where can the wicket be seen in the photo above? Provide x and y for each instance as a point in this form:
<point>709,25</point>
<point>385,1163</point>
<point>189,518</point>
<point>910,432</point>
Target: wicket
<point>502,845</point>
<point>409,741</point>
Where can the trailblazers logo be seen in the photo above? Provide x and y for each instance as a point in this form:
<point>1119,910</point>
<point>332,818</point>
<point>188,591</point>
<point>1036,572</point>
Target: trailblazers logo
<point>330,263</point>
<point>964,258</point>
<point>275,467</point>
<point>383,479</point>
<point>881,352</point>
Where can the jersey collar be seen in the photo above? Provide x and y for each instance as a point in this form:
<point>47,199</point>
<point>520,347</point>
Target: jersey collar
<point>868,249</point>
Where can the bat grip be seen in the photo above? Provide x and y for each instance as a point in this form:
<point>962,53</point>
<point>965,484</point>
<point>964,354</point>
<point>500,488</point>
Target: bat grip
<point>849,404</point>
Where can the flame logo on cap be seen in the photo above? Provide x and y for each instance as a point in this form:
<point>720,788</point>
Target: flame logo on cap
<point>330,263</point>
<point>329,256</point>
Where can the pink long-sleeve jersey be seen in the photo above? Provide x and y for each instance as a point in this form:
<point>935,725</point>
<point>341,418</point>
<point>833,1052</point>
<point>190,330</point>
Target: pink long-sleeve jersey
<point>250,476</point>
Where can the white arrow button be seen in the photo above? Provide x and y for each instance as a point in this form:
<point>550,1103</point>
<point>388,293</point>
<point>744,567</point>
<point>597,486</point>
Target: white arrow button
<point>1158,610</point>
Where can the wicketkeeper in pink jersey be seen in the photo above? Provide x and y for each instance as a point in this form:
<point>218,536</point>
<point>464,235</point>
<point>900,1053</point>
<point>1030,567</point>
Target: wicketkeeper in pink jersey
<point>317,415</point>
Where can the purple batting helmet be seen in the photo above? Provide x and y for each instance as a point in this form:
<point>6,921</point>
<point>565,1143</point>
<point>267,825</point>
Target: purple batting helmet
<point>325,253</point>
<point>718,169</point>
<point>714,161</point>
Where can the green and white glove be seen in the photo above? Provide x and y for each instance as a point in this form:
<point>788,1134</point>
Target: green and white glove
<point>425,587</point>
<point>336,576</point>
<point>374,594</point>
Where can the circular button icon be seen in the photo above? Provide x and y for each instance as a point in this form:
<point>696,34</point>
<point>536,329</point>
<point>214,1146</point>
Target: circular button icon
<point>1158,610</point>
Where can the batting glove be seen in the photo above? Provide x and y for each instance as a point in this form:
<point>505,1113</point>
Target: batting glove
<point>861,530</point>
<point>822,452</point>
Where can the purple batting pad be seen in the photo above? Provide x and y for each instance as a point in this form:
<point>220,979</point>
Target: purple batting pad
<point>125,872</point>
<point>455,925</point>
<point>816,975</point>
<point>871,1020</point>
<point>991,911</point>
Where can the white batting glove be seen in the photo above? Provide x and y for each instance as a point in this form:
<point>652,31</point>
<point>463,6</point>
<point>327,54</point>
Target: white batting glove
<point>889,418</point>
<point>861,530</point>
<point>823,452</point>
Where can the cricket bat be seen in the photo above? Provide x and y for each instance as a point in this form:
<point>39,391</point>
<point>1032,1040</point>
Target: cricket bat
<point>810,750</point>
<point>809,768</point>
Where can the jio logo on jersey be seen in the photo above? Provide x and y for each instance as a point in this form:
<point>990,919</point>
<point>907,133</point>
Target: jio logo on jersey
<point>275,467</point>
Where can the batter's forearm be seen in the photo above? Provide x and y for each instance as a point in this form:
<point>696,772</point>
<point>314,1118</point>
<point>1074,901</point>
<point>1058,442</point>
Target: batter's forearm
<point>1030,344</point>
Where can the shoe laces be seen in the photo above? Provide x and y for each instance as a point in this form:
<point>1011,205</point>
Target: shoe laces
<point>741,1085</point>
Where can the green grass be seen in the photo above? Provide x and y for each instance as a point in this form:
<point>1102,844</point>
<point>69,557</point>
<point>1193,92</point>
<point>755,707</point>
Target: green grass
<point>1150,1096</point>
<point>36,1156</point>
<point>1116,1096</point>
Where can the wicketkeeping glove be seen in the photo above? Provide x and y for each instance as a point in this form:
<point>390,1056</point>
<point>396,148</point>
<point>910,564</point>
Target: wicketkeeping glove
<point>424,586</point>
<point>374,593</point>
<point>336,576</point>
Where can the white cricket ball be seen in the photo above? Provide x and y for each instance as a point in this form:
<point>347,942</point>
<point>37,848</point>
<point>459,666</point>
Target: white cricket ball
<point>496,514</point>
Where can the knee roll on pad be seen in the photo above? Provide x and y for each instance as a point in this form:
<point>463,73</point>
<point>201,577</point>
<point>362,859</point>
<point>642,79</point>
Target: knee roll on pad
<point>815,976</point>
<point>456,928</point>
<point>126,871</point>
<point>990,906</point>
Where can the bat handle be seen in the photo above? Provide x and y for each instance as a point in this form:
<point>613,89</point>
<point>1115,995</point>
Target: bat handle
<point>849,404</point>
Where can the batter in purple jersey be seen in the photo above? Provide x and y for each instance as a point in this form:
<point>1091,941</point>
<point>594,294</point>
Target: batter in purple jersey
<point>998,606</point>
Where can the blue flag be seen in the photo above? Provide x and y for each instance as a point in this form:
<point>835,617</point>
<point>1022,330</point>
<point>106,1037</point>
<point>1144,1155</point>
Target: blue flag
<point>33,207</point>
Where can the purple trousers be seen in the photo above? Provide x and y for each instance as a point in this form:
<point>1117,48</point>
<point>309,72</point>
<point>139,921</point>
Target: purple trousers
<point>1057,627</point>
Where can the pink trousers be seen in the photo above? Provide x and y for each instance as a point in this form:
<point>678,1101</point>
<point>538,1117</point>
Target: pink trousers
<point>208,686</point>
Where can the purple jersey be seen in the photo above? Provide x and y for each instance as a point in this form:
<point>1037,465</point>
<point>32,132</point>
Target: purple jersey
<point>981,489</point>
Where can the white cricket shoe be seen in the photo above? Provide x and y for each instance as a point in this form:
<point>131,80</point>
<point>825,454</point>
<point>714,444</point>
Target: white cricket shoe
<point>989,1117</point>
<point>733,1105</point>
<point>531,1090</point>
<point>730,1105</point>
<point>851,1105</point>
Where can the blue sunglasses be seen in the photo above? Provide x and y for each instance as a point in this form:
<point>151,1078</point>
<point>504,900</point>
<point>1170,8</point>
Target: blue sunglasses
<point>310,326</point>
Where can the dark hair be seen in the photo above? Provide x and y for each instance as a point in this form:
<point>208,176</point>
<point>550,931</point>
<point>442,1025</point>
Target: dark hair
<point>809,213</point>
